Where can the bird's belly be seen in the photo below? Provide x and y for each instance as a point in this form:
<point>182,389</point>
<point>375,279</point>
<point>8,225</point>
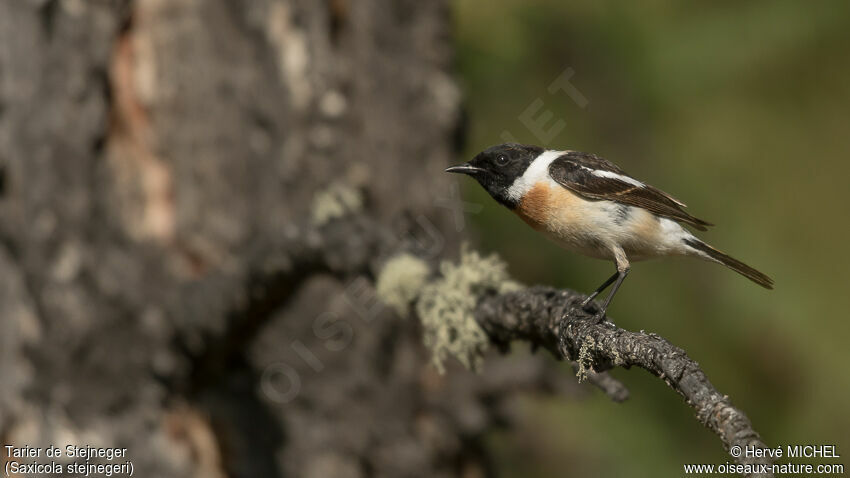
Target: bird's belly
<point>596,228</point>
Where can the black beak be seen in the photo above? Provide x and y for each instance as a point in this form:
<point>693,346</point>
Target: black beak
<point>464,168</point>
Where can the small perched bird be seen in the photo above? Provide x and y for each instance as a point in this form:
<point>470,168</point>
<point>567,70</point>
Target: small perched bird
<point>589,205</point>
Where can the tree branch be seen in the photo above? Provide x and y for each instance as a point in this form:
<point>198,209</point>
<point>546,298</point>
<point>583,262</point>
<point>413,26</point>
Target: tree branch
<point>546,317</point>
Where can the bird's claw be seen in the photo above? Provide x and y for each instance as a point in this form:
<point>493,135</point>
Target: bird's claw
<point>586,310</point>
<point>599,317</point>
<point>579,310</point>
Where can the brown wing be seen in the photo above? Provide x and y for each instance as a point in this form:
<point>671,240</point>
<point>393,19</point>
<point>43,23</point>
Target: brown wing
<point>595,178</point>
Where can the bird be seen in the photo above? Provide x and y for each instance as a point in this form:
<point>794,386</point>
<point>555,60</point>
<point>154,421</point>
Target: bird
<point>587,204</point>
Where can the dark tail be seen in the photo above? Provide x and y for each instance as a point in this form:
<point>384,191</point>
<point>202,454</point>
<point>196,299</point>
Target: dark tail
<point>731,263</point>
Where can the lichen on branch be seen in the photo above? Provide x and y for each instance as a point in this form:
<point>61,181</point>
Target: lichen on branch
<point>401,280</point>
<point>446,304</point>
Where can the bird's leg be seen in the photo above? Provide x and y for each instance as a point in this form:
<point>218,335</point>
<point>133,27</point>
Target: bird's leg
<point>616,279</point>
<point>599,289</point>
<point>623,269</point>
<point>620,276</point>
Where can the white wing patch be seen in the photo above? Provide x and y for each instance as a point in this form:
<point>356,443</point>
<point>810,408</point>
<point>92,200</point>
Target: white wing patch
<point>618,177</point>
<point>537,171</point>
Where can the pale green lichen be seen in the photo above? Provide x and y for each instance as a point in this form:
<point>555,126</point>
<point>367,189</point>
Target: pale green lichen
<point>446,307</point>
<point>401,281</point>
<point>336,201</point>
<point>585,358</point>
<point>618,358</point>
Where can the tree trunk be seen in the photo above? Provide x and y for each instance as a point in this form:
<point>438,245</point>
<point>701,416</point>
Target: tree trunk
<point>156,158</point>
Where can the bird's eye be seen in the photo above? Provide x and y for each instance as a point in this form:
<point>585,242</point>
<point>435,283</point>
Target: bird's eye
<point>501,160</point>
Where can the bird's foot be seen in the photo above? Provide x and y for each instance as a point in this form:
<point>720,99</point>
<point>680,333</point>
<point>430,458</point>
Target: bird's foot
<point>599,317</point>
<point>588,310</point>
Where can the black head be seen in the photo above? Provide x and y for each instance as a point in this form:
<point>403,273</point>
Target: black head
<point>496,168</point>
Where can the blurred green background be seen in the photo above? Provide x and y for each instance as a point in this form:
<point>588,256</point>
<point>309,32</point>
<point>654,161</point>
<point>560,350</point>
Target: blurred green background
<point>739,109</point>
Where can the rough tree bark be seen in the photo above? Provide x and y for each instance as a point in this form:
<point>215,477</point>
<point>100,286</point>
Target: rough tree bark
<point>162,287</point>
<point>153,154</point>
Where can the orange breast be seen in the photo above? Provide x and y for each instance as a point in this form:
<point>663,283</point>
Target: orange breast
<point>544,207</point>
